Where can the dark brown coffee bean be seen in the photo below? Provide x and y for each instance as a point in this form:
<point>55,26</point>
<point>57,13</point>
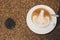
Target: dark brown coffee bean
<point>9,23</point>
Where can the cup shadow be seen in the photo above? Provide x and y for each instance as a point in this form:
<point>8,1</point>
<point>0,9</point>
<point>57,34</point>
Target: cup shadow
<point>58,19</point>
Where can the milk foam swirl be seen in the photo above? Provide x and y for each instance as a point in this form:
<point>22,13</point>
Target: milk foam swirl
<point>40,20</point>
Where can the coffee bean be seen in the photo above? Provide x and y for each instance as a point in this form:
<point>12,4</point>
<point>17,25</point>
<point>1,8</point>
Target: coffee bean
<point>10,23</point>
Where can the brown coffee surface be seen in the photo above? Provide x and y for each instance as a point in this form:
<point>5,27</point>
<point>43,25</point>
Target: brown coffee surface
<point>37,12</point>
<point>36,17</point>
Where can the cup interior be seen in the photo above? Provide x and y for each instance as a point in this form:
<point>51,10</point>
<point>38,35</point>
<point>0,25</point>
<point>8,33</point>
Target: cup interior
<point>37,15</point>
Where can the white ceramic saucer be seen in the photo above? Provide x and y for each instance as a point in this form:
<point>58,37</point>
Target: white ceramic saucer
<point>40,30</point>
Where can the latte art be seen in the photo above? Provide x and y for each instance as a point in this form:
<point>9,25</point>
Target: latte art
<point>40,18</point>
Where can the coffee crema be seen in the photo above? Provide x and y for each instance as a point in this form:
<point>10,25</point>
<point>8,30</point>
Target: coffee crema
<point>41,17</point>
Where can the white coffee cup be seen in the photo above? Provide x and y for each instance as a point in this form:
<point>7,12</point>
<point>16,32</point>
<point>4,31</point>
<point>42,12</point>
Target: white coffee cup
<point>41,29</point>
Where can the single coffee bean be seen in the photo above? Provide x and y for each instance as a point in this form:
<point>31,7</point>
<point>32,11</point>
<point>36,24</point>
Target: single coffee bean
<point>10,23</point>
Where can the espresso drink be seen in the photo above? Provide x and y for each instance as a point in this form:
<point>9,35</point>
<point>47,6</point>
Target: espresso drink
<point>41,17</point>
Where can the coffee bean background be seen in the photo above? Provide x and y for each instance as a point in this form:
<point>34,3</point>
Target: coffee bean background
<point>17,10</point>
